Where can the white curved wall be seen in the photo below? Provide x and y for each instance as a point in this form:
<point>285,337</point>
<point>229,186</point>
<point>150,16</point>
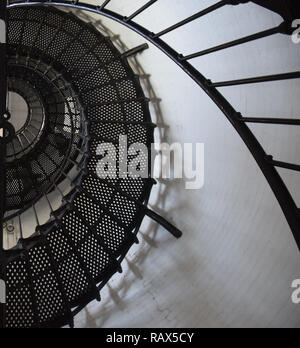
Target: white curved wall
<point>237,259</point>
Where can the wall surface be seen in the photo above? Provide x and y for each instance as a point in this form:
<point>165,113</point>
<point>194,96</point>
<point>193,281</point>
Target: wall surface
<point>237,259</point>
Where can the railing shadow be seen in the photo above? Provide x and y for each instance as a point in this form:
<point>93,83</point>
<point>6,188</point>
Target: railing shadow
<point>148,235</point>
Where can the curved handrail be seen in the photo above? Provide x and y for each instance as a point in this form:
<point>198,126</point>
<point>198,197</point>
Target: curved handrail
<point>265,162</point>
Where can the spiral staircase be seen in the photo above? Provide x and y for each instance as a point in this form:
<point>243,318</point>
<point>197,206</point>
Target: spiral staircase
<point>74,229</point>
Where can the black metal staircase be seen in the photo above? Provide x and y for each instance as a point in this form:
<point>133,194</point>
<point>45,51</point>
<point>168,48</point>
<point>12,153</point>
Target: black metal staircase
<point>82,91</point>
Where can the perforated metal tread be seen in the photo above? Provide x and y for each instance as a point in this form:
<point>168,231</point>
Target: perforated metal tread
<point>59,268</point>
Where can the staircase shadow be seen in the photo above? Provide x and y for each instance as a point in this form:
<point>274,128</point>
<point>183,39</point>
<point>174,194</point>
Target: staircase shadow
<point>94,315</point>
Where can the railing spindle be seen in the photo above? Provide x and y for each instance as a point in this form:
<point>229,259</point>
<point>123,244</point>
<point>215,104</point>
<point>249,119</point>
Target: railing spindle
<point>139,11</point>
<point>280,121</point>
<point>269,78</point>
<point>260,35</point>
<point>192,18</point>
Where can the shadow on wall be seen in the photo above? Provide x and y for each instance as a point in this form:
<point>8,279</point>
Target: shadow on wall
<point>132,268</point>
